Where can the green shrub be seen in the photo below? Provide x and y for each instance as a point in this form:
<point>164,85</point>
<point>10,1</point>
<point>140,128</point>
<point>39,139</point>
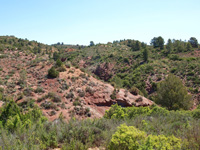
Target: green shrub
<point>76,103</point>
<point>81,94</point>
<point>89,90</point>
<point>196,113</point>
<point>135,91</point>
<point>190,73</point>
<point>48,105</point>
<point>52,73</point>
<point>58,63</point>
<point>61,69</point>
<point>131,138</point>
<point>39,90</point>
<point>1,90</point>
<point>172,94</point>
<point>127,138</point>
<point>28,91</point>
<point>174,57</point>
<point>173,70</point>
<point>65,86</point>
<point>113,95</point>
<point>70,95</point>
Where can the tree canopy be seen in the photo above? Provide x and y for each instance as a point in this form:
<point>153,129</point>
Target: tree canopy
<point>172,94</point>
<point>145,55</point>
<point>91,43</point>
<point>158,42</point>
<point>193,41</point>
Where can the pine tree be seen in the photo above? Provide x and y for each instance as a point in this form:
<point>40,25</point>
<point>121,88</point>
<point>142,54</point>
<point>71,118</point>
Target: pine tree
<point>169,46</point>
<point>145,55</point>
<point>193,41</point>
<point>189,46</point>
<point>172,94</point>
<point>91,43</point>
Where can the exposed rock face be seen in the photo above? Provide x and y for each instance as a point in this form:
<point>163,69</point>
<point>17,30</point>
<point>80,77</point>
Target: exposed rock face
<point>97,95</point>
<point>104,71</point>
<point>123,98</point>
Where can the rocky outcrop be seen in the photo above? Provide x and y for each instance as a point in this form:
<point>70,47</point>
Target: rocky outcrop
<point>99,96</point>
<point>124,99</point>
<point>104,71</point>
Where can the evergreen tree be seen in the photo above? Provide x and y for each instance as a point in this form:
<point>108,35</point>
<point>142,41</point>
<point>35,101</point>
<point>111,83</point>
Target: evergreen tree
<point>143,45</point>
<point>137,45</point>
<point>145,55</point>
<point>169,46</point>
<point>193,41</point>
<point>56,56</point>
<point>189,46</point>
<point>172,94</point>
<point>161,42</point>
<point>91,43</point>
<point>58,63</point>
<point>158,42</point>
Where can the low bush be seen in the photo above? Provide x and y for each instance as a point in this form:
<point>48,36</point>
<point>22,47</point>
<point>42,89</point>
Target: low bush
<point>39,90</point>
<point>52,73</point>
<point>54,97</point>
<point>131,138</point>
<point>89,90</point>
<point>70,95</point>
<point>61,69</point>
<point>113,95</point>
<point>135,91</point>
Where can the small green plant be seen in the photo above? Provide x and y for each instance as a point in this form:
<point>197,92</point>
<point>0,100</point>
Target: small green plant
<point>52,73</point>
<point>70,95</point>
<point>135,91</point>
<point>54,97</point>
<point>39,90</point>
<point>61,68</point>
<point>76,103</point>
<point>113,95</point>
<point>81,94</point>
<point>58,63</point>
<point>89,90</point>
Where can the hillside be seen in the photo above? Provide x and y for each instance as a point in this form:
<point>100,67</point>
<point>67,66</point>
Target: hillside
<point>120,95</point>
<point>121,64</point>
<point>24,76</point>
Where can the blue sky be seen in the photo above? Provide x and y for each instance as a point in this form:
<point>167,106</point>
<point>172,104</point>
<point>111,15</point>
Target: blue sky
<point>82,21</point>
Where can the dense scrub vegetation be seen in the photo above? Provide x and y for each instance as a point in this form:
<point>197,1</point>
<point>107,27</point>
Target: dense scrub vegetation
<point>145,127</point>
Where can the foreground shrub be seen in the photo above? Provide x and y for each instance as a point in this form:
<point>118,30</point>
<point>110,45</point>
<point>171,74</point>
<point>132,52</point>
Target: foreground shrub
<point>131,138</point>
